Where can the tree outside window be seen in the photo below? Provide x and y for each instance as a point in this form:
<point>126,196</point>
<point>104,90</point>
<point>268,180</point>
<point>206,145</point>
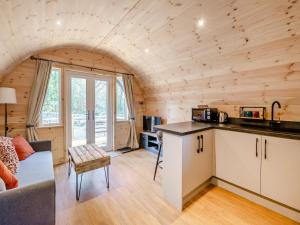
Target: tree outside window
<point>51,110</point>
<point>122,112</point>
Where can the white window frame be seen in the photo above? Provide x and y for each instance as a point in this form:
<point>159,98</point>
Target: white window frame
<point>127,114</point>
<point>41,125</point>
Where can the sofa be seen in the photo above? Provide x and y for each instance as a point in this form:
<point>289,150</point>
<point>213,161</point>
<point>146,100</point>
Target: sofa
<point>33,201</point>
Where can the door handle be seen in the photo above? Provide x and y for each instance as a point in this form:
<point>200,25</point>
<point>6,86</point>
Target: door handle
<point>256,152</point>
<point>265,148</point>
<point>88,115</point>
<point>93,115</point>
<point>201,143</point>
<point>198,149</point>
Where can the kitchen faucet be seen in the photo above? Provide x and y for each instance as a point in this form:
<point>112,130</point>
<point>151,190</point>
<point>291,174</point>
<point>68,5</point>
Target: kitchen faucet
<point>273,123</point>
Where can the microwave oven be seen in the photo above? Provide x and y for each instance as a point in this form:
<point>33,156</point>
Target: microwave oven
<point>205,114</point>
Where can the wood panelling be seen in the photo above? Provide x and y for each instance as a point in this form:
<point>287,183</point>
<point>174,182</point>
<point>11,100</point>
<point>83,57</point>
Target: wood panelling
<point>247,52</point>
<point>21,78</point>
<point>259,87</point>
<point>57,136</point>
<point>122,130</point>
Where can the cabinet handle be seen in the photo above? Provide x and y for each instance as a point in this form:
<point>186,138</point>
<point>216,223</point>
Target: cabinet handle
<point>265,148</point>
<point>201,143</point>
<point>198,149</point>
<point>256,153</point>
<point>88,115</point>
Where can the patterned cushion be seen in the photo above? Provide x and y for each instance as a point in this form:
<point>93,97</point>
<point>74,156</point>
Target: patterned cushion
<point>8,154</point>
<point>2,185</point>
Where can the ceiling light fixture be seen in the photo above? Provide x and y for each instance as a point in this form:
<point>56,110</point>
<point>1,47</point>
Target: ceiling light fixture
<point>58,22</point>
<point>200,23</point>
<point>146,50</point>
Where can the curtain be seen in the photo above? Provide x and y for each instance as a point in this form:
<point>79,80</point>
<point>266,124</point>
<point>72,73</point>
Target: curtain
<point>128,87</point>
<point>37,97</point>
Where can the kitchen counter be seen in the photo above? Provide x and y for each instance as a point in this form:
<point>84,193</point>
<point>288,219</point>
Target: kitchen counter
<point>196,155</point>
<point>185,128</point>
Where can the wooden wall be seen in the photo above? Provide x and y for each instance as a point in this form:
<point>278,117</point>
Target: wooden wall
<point>246,53</point>
<point>229,91</point>
<point>21,78</point>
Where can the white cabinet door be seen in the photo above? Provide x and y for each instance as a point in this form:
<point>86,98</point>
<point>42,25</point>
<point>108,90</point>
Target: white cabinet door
<point>280,171</point>
<point>172,169</point>
<point>238,158</point>
<point>197,160</point>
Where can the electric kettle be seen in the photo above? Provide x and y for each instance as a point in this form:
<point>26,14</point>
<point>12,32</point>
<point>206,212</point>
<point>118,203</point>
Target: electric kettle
<point>223,117</point>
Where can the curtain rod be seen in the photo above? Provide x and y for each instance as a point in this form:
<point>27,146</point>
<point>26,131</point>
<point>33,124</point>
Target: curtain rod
<point>72,64</point>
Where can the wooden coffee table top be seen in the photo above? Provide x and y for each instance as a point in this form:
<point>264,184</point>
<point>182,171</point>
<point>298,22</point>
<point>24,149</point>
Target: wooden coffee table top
<point>88,157</point>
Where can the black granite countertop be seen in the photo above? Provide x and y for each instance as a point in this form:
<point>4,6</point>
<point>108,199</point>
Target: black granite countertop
<point>185,128</point>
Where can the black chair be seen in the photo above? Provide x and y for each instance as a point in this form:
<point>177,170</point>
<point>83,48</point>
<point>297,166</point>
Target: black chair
<point>160,142</point>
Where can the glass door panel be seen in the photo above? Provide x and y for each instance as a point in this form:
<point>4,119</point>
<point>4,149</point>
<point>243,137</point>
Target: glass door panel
<point>89,111</point>
<point>101,112</point>
<point>78,111</point>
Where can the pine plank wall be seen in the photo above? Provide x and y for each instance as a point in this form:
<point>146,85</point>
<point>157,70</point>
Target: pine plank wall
<point>21,78</point>
<point>246,54</point>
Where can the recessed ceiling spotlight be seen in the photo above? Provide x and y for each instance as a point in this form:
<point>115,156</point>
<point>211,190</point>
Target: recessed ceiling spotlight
<point>146,50</point>
<point>58,22</point>
<point>200,23</point>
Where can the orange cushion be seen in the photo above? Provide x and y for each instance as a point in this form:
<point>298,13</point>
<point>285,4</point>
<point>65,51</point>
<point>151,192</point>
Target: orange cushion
<point>9,179</point>
<point>23,148</point>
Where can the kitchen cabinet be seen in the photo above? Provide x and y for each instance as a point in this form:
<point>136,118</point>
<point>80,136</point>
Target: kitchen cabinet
<point>187,164</point>
<point>280,170</point>
<point>197,160</point>
<point>238,158</point>
<point>268,166</point>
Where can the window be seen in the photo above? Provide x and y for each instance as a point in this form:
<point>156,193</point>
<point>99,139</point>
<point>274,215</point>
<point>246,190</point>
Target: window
<point>51,110</point>
<point>122,112</point>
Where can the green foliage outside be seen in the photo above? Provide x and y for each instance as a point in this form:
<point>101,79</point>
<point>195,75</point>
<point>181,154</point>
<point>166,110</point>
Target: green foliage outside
<point>78,100</point>
<point>51,107</point>
<point>121,100</point>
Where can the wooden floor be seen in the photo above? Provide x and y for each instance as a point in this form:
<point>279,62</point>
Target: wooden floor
<point>135,199</point>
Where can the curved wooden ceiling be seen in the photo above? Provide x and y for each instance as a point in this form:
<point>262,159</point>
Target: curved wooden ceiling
<point>160,39</point>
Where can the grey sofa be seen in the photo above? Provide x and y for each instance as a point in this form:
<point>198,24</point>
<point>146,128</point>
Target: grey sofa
<point>33,202</point>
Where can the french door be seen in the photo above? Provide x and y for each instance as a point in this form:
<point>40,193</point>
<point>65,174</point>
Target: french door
<point>89,109</point>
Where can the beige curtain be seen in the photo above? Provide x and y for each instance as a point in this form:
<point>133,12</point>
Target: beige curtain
<point>37,97</point>
<point>128,87</point>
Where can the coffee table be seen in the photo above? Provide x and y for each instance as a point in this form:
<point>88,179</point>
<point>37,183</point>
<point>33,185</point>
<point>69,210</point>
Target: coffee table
<point>85,158</point>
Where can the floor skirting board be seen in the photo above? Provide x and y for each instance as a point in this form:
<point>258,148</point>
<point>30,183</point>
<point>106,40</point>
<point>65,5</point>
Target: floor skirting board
<point>195,192</point>
<point>292,214</point>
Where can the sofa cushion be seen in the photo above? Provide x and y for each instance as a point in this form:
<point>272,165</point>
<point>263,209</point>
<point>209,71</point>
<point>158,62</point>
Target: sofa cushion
<point>22,147</point>
<point>6,175</point>
<point>35,169</point>
<point>8,154</point>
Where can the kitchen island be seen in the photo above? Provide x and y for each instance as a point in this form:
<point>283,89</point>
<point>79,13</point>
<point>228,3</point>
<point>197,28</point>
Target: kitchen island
<point>252,161</point>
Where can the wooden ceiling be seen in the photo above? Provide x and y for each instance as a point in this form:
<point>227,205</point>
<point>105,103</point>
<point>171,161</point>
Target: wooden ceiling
<point>159,39</point>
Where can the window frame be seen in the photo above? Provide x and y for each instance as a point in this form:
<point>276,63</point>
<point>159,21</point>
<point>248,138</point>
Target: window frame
<point>60,123</point>
<point>127,114</point>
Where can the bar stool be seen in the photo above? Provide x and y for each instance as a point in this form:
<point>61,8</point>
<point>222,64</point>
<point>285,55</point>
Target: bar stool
<point>159,135</point>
